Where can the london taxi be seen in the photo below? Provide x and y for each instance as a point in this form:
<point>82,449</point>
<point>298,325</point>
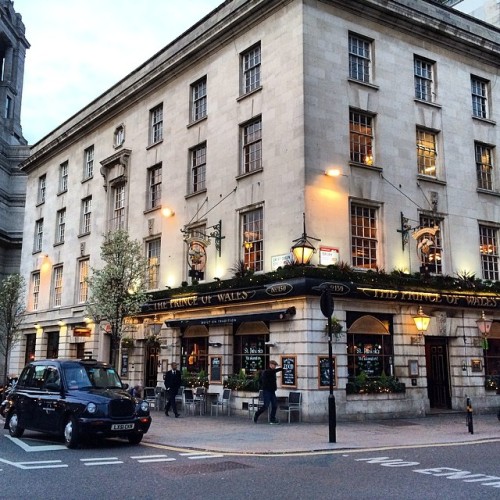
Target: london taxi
<point>76,399</point>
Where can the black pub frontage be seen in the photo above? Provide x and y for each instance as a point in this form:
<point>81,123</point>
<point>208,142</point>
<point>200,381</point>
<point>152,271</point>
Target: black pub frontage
<point>396,351</point>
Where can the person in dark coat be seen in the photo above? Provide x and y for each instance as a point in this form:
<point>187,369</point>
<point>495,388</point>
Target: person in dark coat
<point>172,380</point>
<point>269,386</point>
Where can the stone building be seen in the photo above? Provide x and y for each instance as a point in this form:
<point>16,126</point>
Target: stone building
<point>13,146</point>
<point>215,153</point>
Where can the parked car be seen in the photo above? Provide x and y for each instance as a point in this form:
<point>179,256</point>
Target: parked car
<point>76,399</point>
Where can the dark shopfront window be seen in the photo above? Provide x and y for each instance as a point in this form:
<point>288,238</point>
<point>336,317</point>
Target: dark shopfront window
<point>370,352</point>
<point>29,354</point>
<point>194,354</point>
<point>52,345</point>
<point>250,353</point>
<point>492,359</point>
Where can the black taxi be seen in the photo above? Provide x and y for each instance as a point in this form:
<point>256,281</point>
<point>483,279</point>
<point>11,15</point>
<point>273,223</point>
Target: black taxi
<point>76,399</point>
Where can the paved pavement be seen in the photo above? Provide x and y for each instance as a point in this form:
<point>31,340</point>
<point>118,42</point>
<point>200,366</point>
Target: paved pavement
<point>239,434</point>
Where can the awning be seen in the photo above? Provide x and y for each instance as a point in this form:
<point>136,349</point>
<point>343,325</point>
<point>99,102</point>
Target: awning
<point>278,315</point>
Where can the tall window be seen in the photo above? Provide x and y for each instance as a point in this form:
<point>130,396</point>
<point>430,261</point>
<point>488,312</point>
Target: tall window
<point>369,352</point>
<point>488,250</point>
<point>118,219</point>
<point>252,146</point>
<point>431,247</point>
<point>83,286</point>
<point>484,166</point>
<point>42,187</point>
<point>253,239</point>
<point>364,236</point>
<point>250,353</point>
<point>479,91</point>
<point>361,137</point>
<point>60,225</point>
<point>63,177</point>
<point>35,290</point>
<point>88,167</point>
<point>37,245</point>
<point>156,124</point>
<point>153,249</point>
<point>198,168</point>
<point>154,187</point>
<point>57,282</point>
<point>199,99</point>
<point>426,152</point>
<point>359,58</point>
<point>424,79</point>
<point>251,61</point>
<point>85,224</point>
<point>119,136</point>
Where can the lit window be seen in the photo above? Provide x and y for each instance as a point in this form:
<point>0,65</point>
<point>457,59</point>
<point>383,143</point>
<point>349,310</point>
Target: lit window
<point>252,146</point>
<point>156,124</point>
<point>426,152</point>
<point>424,83</point>
<point>479,91</point>
<point>198,168</point>
<point>253,239</point>
<point>361,137</point>
<point>83,286</point>
<point>199,99</point>
<point>430,246</point>
<point>488,250</point>
<point>88,170</point>
<point>251,61</point>
<point>484,166</point>
<point>359,58</point>
<point>57,285</point>
<point>153,254</point>
<point>364,236</point>
<point>154,187</point>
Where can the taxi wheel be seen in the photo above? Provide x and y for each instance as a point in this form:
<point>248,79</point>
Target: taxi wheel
<point>135,438</point>
<point>15,430</point>
<point>71,434</point>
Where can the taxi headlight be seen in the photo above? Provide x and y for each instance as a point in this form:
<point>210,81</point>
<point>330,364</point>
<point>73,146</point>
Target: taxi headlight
<point>144,406</point>
<point>91,408</point>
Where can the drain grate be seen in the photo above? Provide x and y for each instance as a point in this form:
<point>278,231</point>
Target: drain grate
<point>207,468</point>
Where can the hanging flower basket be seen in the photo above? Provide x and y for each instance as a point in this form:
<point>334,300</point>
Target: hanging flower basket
<point>337,328</point>
<point>127,342</point>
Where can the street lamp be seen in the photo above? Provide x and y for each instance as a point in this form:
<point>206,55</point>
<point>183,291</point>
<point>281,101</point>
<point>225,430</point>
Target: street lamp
<point>422,323</point>
<point>303,249</point>
<point>484,327</point>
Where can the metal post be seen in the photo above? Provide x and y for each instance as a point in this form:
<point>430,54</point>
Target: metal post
<point>332,412</point>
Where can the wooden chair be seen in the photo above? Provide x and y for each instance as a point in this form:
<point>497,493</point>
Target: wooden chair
<point>294,403</point>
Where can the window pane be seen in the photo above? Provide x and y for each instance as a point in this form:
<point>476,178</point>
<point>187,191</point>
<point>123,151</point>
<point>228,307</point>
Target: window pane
<point>426,152</point>
<point>253,239</point>
<point>361,138</point>
<point>359,59</point>
<point>488,249</point>
<point>363,237</point>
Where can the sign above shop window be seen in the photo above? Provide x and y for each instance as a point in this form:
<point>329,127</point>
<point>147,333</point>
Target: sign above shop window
<point>328,256</point>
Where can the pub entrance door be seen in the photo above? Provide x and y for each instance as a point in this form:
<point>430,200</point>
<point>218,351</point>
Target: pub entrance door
<point>438,381</point>
<point>151,375</point>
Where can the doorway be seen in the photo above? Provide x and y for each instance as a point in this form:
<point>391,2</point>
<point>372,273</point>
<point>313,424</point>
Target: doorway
<point>152,353</point>
<point>438,381</point>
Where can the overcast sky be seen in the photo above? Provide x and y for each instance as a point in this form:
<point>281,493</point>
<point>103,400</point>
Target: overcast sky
<point>79,49</point>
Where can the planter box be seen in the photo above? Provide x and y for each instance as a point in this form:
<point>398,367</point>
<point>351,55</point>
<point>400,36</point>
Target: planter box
<point>385,405</point>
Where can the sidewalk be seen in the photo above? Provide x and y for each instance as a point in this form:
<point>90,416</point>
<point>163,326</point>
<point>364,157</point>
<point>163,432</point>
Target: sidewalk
<point>237,434</point>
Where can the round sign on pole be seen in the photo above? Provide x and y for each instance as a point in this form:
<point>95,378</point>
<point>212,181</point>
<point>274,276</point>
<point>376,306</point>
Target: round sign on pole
<point>326,303</point>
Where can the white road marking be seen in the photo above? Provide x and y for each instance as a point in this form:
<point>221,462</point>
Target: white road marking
<point>101,461</point>
<point>42,464</point>
<point>199,455</point>
<point>43,447</point>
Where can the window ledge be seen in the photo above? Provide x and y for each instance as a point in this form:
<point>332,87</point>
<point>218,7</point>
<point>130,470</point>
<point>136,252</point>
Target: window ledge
<point>364,84</point>
<point>81,235</point>
<point>152,209</point>
<point>87,179</point>
<point>366,167</point>
<point>434,180</point>
<point>428,103</point>
<point>59,193</point>
<point>247,174</point>
<point>192,195</point>
<point>59,243</point>
<point>487,191</point>
<point>196,122</point>
<point>149,146</point>
<point>244,96</point>
<point>487,121</point>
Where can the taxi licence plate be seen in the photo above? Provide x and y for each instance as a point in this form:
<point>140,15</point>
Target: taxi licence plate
<point>122,427</point>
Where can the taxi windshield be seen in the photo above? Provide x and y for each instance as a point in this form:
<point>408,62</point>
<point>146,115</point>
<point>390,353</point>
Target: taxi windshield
<point>103,377</point>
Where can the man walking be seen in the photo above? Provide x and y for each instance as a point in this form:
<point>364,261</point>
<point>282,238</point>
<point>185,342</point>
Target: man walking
<point>269,386</point>
<point>172,380</point>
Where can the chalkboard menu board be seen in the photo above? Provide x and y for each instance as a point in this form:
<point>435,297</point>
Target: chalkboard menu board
<point>289,373</point>
<point>215,368</point>
<point>324,372</point>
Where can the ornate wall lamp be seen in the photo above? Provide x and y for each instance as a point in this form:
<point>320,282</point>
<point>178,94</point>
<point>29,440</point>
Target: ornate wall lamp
<point>303,249</point>
<point>484,327</point>
<point>422,323</point>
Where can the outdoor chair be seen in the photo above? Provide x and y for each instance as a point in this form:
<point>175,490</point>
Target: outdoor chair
<point>294,404</point>
<point>190,402</point>
<point>223,401</point>
<point>150,397</point>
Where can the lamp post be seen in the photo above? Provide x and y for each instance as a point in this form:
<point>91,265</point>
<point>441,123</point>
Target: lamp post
<point>303,249</point>
<point>484,327</point>
<point>326,305</point>
<point>422,323</point>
